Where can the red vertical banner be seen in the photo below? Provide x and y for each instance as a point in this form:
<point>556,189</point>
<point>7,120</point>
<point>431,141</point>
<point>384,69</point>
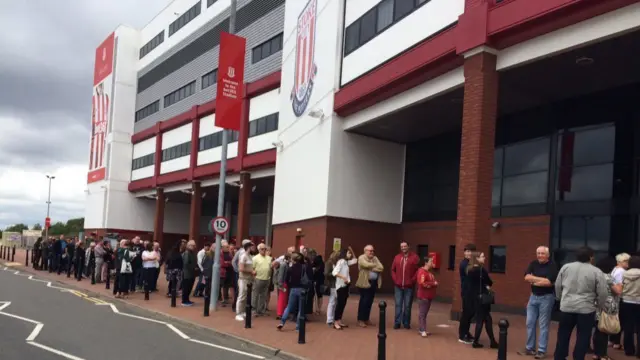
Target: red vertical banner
<point>101,108</point>
<point>230,81</point>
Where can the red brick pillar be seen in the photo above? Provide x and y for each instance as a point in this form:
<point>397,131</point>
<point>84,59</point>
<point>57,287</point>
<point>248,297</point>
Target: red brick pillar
<point>196,210</point>
<point>244,207</point>
<point>158,223</point>
<point>476,158</point>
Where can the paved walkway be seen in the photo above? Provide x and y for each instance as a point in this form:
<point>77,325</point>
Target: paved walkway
<point>323,342</point>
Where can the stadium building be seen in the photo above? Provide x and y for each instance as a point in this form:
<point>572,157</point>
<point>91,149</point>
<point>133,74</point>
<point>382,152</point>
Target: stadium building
<point>510,124</point>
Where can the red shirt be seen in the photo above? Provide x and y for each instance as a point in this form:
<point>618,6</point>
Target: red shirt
<point>404,269</point>
<point>427,285</point>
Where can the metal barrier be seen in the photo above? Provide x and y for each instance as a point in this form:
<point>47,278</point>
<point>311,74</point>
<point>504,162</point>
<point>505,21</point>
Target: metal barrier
<point>247,308</point>
<point>503,324</point>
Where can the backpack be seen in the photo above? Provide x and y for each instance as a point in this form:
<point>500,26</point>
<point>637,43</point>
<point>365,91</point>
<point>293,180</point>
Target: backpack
<point>304,278</point>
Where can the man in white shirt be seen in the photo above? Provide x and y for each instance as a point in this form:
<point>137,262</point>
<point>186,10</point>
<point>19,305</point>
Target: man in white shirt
<point>234,265</point>
<point>198,292</point>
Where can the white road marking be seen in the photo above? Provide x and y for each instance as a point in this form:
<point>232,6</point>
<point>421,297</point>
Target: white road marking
<point>227,349</point>
<point>57,352</point>
<point>175,330</point>
<point>35,332</point>
<point>114,309</point>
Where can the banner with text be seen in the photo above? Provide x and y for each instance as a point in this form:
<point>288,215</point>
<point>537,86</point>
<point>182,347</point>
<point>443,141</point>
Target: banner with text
<point>101,109</point>
<point>230,81</point>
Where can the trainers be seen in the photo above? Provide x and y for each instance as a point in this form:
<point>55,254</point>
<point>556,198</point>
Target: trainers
<point>527,352</point>
<point>465,341</point>
<point>239,318</point>
<point>423,334</point>
<point>540,355</point>
<point>187,304</point>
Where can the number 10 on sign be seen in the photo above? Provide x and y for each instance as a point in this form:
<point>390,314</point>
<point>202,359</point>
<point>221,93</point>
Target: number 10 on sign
<point>220,225</point>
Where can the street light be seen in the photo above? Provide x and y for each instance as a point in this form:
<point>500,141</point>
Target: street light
<point>46,228</point>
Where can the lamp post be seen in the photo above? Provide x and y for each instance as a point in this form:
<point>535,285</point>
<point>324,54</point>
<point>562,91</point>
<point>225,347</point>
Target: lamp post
<point>215,288</point>
<point>46,228</point>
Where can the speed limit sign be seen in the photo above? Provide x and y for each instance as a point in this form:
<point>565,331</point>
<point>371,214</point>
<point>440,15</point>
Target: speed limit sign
<point>219,225</point>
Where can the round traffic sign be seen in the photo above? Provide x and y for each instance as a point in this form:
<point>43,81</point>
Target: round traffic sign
<point>219,225</point>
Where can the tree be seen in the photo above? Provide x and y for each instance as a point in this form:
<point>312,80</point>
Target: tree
<point>36,226</point>
<point>16,228</point>
<point>71,227</point>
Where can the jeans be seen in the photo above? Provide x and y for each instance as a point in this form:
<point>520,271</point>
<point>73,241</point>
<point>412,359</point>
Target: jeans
<point>423,309</point>
<point>295,299</point>
<point>404,301</point>
<point>539,310</point>
<point>136,280</point>
<point>366,301</point>
<point>584,324</point>
<point>331,306</point>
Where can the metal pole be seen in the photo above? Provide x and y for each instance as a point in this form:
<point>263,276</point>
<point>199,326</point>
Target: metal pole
<point>215,288</point>
<point>46,228</point>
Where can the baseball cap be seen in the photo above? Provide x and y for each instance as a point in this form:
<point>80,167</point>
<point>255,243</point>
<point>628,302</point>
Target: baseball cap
<point>246,241</point>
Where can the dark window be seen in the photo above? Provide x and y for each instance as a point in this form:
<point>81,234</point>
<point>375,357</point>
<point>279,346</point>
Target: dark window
<point>185,18</point>
<point>209,78</point>
<point>148,110</point>
<point>585,164</point>
<point>214,140</point>
<point>266,49</point>
<point>176,151</point>
<point>211,2</point>
<point>143,161</point>
<point>152,44</point>
<point>376,20</point>
<point>263,125</point>
<point>498,259</point>
<point>385,15</point>
<point>368,25</point>
<point>575,232</point>
<point>521,173</point>
<point>451,265</point>
<point>423,252</point>
<point>180,94</point>
<point>352,37</point>
<point>246,16</point>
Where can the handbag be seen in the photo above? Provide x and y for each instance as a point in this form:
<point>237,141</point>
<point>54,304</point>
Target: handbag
<point>609,324</point>
<point>486,298</point>
<point>125,266</point>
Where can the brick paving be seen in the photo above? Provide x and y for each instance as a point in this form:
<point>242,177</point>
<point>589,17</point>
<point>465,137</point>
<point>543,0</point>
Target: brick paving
<point>323,342</point>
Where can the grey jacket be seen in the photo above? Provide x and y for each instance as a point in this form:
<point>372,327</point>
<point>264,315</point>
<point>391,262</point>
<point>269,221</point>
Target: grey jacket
<point>579,287</point>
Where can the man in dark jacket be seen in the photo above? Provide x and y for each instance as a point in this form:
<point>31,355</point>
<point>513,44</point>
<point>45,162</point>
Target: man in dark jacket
<point>136,264</point>
<point>464,335</point>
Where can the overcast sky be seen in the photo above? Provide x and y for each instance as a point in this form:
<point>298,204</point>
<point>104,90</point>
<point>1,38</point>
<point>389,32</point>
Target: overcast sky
<point>46,74</point>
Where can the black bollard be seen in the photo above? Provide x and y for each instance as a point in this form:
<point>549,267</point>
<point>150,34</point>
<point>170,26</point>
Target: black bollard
<point>13,254</point>
<point>503,324</point>
<point>382,331</point>
<point>247,308</point>
<point>26,259</point>
<point>302,321</point>
<point>93,273</point>
<point>108,279</point>
<point>145,284</point>
<point>116,283</point>
<point>173,285</point>
<point>207,296</point>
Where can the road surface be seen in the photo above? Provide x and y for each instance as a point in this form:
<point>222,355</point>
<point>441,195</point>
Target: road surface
<point>45,321</point>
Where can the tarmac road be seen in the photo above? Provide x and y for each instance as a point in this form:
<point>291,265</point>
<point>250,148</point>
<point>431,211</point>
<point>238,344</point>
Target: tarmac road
<point>48,323</point>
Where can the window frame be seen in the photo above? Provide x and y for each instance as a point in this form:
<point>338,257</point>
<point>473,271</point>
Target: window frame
<point>265,48</point>
<point>492,249</point>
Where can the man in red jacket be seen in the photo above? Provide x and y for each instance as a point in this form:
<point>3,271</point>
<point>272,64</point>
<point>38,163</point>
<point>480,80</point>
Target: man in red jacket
<point>403,272</point>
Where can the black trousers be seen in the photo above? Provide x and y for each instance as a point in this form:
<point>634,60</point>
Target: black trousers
<point>366,301</point>
<point>583,323</point>
<point>78,269</point>
<point>187,285</point>
<point>483,316</point>
<point>124,281</point>
<point>631,328</point>
<point>342,295</point>
<point>600,342</point>
<point>468,312</point>
<point>148,277</point>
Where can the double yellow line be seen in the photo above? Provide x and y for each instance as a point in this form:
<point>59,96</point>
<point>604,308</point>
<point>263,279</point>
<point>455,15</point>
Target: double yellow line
<point>87,297</point>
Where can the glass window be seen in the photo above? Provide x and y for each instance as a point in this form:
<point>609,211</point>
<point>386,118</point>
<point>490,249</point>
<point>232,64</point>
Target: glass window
<point>498,157</point>
<point>585,183</point>
<point>266,49</point>
<point>253,127</point>
<point>452,258</point>
<point>403,7</point>
<point>352,37</point>
<point>445,198</point>
<point>262,126</point>
<point>526,157</point>
<point>525,189</point>
<point>498,259</point>
<point>256,55</point>
<point>592,231</point>
<point>496,192</point>
<point>368,26</point>
<point>385,15</point>
<point>586,146</point>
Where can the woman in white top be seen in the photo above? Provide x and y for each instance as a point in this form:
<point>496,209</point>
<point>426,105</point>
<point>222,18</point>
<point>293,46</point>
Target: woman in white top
<point>343,280</point>
<point>622,261</point>
<point>149,266</point>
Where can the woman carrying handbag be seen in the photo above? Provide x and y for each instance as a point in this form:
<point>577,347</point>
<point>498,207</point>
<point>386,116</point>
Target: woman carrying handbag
<point>480,294</point>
